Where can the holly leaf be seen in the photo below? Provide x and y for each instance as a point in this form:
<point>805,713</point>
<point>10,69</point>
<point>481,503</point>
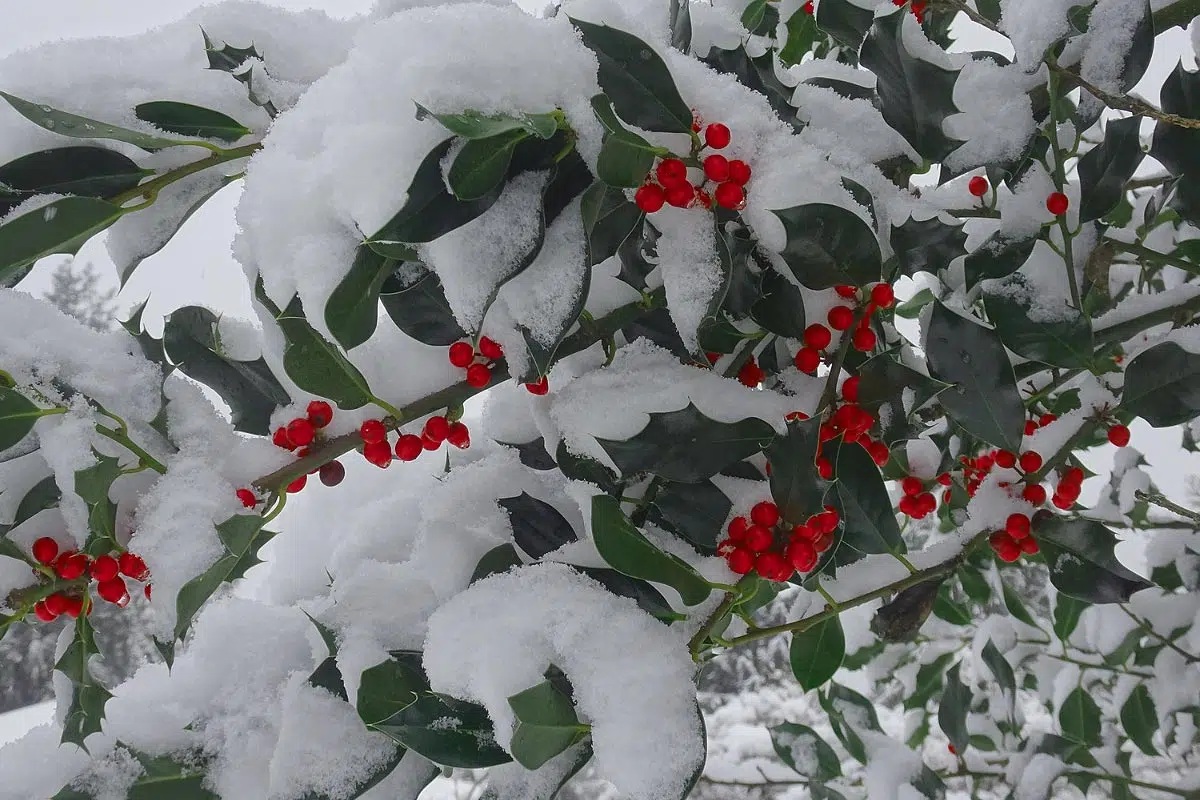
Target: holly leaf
<point>1141,49</point>
<point>327,676</point>
<point>625,157</point>
<point>802,749</point>
<point>829,245</point>
<point>802,34</point>
<point>546,725</point>
<point>757,74</point>
<point>915,95</point>
<point>1079,553</point>
<point>420,309</point>
<point>538,527</point>
<point>318,366</point>
<point>929,681</point>
<point>849,711</point>
<point>86,711</point>
<point>953,709</point>
<point>1064,339</point>
<point>352,311</point>
<point>796,486</point>
<point>79,170</point>
<point>62,226</point>
<point>186,119</point>
<point>884,382</point>
<point>695,511</point>
<point>498,560</point>
<point>1178,149</point>
<point>1104,170</point>
<point>480,166</point>
<point>1079,718</point>
<point>779,307</point>
<point>473,125</point>
<point>44,494</point>
<point>984,398</point>
<point>17,416</point>
<point>997,257</point>
<point>864,503</point>
<point>1139,718</point>
<point>1162,386</point>
<point>420,727</point>
<point>817,653</point>
<point>927,245</point>
<point>388,688</point>
<point>644,594</point>
<point>609,218</point>
<point>844,21</point>
<point>681,25</point>
<point>242,536</point>
<point>1001,670</point>
<point>1067,611</point>
<point>77,127</point>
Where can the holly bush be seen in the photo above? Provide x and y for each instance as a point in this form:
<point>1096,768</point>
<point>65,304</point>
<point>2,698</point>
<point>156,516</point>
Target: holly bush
<point>787,317</point>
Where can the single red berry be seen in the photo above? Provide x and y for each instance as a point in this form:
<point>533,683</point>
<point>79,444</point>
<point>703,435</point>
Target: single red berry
<point>105,568</point>
<point>883,295</point>
<point>1046,419</point>
<point>320,413</point>
<point>1017,526</point>
<point>817,336</point>
<point>43,613</point>
<point>912,486</point>
<point>1063,502</point>
<point>1029,545</point>
<point>281,439</point>
<point>437,428</point>
<point>846,291</point>
<point>737,529</point>
<point>823,541</point>
<point>704,197</point>
<point>57,604</point>
<point>298,484</point>
<point>459,436</point>
<point>650,198</point>
<point>429,443</point>
<point>841,317</point>
<point>372,431</point>
<point>478,376</point>
<point>1057,204</point>
<point>1030,427</point>
<point>301,432</point>
<point>740,561</point>
<point>1031,461</point>
<point>490,349</point>
<point>133,566</point>
<point>802,555</point>
<point>716,168</point>
<point>804,532</point>
<point>378,453</point>
<point>750,374</point>
<point>864,340</point>
<point>824,468</point>
<point>826,521</point>
<point>1034,494</point>
<point>978,186</point>
<point>332,473</point>
<point>408,447</point>
<point>45,550</point>
<point>795,416</point>
<point>1073,476</point>
<point>944,479</point>
<point>461,354</point>
<point>807,359</point>
<point>879,453</point>
<point>850,389</point>
<point>717,136</point>
<point>739,172</point>
<point>1118,435</point>
<point>681,195</point>
<point>773,566</point>
<point>828,431</point>
<point>539,387</point>
<point>75,607</point>
<point>1005,459</point>
<point>672,172</point>
<point>808,7</point>
<point>926,502</point>
<point>71,565</point>
<point>113,590</point>
<point>907,505</point>
<point>247,497</point>
<point>952,749</point>
<point>146,590</point>
<point>758,538</point>
<point>730,195</point>
<point>765,513</point>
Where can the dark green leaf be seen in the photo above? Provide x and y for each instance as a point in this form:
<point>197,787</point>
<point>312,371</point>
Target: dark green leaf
<point>608,220</point>
<point>624,548</point>
<point>911,309</point>
<point>802,748</point>
<point>44,494</point>
<point>817,652</point>
<point>61,226</point>
<point>352,311</point>
<point>17,416</point>
<point>997,257</point>
<point>1079,718</point>
<point>758,75</point>
<point>687,446</point>
<point>1067,611</point>
<point>538,527</point>
<point>646,596</point>
<point>1079,553</point>
<point>480,166</point>
<point>499,559</point>
<point>866,508</point>
<point>318,366</point>
<point>1141,49</point>
<point>1002,671</point>
<point>420,727</point>
<point>243,536</point>
<point>79,170</point>
<point>974,584</point>
<point>1178,149</point>
<point>953,709</point>
<point>916,95</point>
<point>845,21</point>
<point>186,119</point>
<point>927,245</point>
<point>796,487</point>
<point>681,25</point>
<point>1015,606</point>
<point>546,725</point>
<point>327,675</point>
<point>1162,385</point>
<point>695,511</point>
<point>420,310</point>
<point>92,483</point>
<point>625,158</point>
<point>86,712</point>
<point>582,468</point>
<point>191,341</point>
<point>829,245</point>
<point>780,307</point>
<point>533,454</point>
<point>848,711</point>
<point>474,125</point>
<point>886,383</point>
<point>387,689</point>
<point>1140,719</point>
<point>929,681</point>
<point>1064,340</point>
<point>802,34</point>
<point>636,79</point>
<point>1104,170</point>
<point>984,398</point>
<point>947,609</point>
<point>77,127</point>
<point>658,327</point>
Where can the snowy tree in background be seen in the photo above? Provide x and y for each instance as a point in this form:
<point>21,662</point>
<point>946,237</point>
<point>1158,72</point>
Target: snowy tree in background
<point>77,292</point>
<point>790,325</point>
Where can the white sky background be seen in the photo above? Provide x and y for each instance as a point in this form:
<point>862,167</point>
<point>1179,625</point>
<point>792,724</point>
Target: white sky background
<point>196,267</point>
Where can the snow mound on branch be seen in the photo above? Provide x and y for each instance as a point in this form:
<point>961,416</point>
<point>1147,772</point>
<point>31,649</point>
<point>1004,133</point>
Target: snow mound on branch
<point>996,118</point>
<point>1034,25</point>
<point>498,637</point>
<point>691,269</point>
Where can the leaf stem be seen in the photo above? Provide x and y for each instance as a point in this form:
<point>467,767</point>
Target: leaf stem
<point>1060,181</point>
<point>130,445</point>
<point>835,366</point>
<point>1153,255</point>
<point>150,188</point>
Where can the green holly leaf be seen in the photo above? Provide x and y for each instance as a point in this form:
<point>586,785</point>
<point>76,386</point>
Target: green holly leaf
<point>984,398</point>
<point>44,494</point>
<point>609,218</point>
<point>849,711</point>
<point>641,592</point>
<point>327,675</point>
<point>817,653</point>
<point>480,166</point>
<point>929,681</point>
<point>947,609</point>
<point>915,95</point>
<point>1064,340</point>
<point>1141,49</point>
<point>318,366</point>
<point>75,126</point>
<point>86,712</point>
<point>681,25</point>
<point>352,311</point>
<point>802,34</point>
<point>802,748</point>
<point>624,548</point>
<point>420,727</point>
<point>1178,149</point>
<point>997,257</point>
<point>17,416</point>
<point>1067,611</point>
<point>927,245</point>
<point>1015,606</point>
<point>866,509</point>
<point>80,170</point>
<point>829,245</point>
<point>1139,718</point>
<point>780,306</point>
<point>953,709</point>
<point>388,688</point>
<point>1079,553</point>
<point>92,483</point>
<point>227,58</point>
<point>845,21</point>
<point>695,511</point>
<point>192,342</point>
<point>473,125</point>
<point>186,119</point>
<point>62,226</point>
<point>546,725</point>
<point>625,157</point>
<point>1104,170</point>
<point>636,78</point>
<point>1162,386</point>
<point>796,486</point>
<point>498,560</point>
<point>1001,670</point>
<point>885,383</point>
<point>1079,718</point>
<point>538,527</point>
<point>420,310</point>
<point>757,74</point>
<point>243,536</point>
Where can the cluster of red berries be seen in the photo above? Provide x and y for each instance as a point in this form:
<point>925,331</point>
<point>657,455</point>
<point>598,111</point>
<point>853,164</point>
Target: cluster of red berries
<point>916,502</point>
<point>818,337</point>
<point>479,375</point>
<point>1015,539</point>
<point>378,451</point>
<point>70,565</point>
<point>917,8</point>
<point>674,187</point>
<point>299,435</point>
<point>764,544</point>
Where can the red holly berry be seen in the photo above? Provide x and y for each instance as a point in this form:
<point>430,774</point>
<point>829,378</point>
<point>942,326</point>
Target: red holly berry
<point>75,607</point>
<point>912,486</point>
<point>71,565</point>
<point>848,292</point>
<point>717,136</point>
<point>730,195</point>
<point>1063,502</point>
<point>539,387</point>
<point>1005,546</point>
<point>247,497</point>
<point>1057,204</point>
<point>1030,427</point>
<point>45,550</point>
<point>804,532</point>
<point>1034,494</point>
<point>681,195</point>
<point>57,604</point>
<point>114,591</point>
<point>332,473</point>
<point>378,453</point>
<point>850,389</point>
<point>478,376</point>
<point>841,317</point>
<point>650,198</point>
<point>320,413</point>
<point>773,566</point>
<point>281,439</point>
<point>765,513</point>
<point>824,468</point>
<point>146,590</point>
<point>823,541</point>
<point>737,529</point>
<point>490,349</point>
<point>461,354</point>
<point>802,555</point>
<point>807,359</point>
<point>459,436</point>
<point>408,447</point>
<point>301,432</point>
<point>1118,435</point>
<point>952,749</point>
<point>817,336</point>
<point>299,483</point>
<point>437,428</point>
<point>429,443</point>
<point>1029,545</point>
<point>826,521</point>
<point>716,168</point>
<point>883,295</point>
<point>827,432</point>
<point>1005,459</point>
<point>795,416</point>
<point>672,172</point>
<point>1031,461</point>
<point>758,538</point>
<point>1046,419</point>
<point>372,431</point>
<point>43,613</point>
<point>879,453</point>
<point>740,561</point>
<point>133,566</point>
<point>750,374</point>
<point>978,186</point>
<point>926,502</point>
<point>1017,526</point>
<point>105,568</point>
<point>808,7</point>
<point>864,340</point>
<point>739,172</point>
<point>1073,476</point>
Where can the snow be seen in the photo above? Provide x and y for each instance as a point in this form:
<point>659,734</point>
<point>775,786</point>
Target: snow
<point>997,115</point>
<point>691,270</point>
<point>1035,780</point>
<point>1109,38</point>
<point>645,732</point>
<point>1033,25</point>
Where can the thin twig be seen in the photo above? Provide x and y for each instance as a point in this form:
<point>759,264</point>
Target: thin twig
<point>1154,498</point>
<point>1148,628</point>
